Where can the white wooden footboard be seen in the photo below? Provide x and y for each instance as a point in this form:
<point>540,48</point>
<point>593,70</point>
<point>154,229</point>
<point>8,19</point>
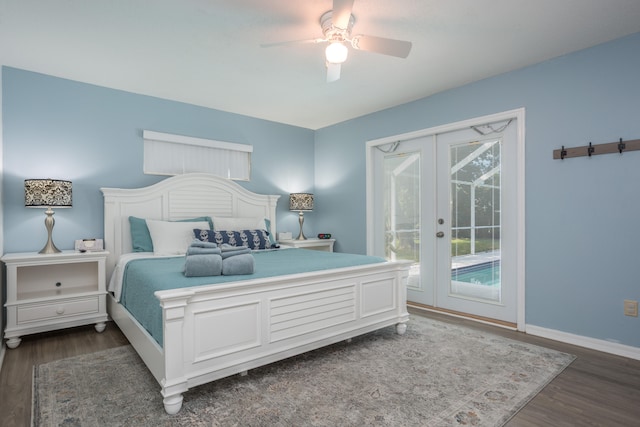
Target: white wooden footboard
<point>211,332</point>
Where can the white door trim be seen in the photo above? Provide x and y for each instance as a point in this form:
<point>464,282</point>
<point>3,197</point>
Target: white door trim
<point>519,115</point>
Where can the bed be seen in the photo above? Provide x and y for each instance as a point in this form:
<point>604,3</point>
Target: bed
<point>215,330</point>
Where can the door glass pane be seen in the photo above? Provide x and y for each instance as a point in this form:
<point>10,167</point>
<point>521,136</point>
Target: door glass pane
<point>402,211</point>
<point>475,220</point>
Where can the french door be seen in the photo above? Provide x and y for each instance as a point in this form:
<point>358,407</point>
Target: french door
<point>448,201</point>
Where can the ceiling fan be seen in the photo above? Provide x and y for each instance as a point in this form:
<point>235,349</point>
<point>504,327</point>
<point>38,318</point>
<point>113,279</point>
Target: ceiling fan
<point>336,26</point>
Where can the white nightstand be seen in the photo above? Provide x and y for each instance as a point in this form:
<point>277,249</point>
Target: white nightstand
<point>315,244</point>
<point>54,291</point>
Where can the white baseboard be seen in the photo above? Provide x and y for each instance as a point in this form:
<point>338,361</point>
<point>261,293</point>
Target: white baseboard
<point>591,343</point>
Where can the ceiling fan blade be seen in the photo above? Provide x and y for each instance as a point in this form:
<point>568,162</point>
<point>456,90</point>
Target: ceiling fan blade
<point>293,42</point>
<point>333,72</point>
<point>341,13</point>
<point>399,48</point>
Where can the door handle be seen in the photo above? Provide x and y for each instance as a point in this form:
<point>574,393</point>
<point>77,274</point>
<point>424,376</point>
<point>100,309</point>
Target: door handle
<point>440,234</point>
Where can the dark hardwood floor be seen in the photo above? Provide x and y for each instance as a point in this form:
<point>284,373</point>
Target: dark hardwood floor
<point>597,389</point>
<point>17,368</point>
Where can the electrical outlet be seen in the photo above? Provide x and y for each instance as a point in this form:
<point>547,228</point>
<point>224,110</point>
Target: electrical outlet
<point>630,308</point>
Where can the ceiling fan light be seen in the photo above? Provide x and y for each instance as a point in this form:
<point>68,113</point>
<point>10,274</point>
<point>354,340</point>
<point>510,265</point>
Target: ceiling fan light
<point>336,53</point>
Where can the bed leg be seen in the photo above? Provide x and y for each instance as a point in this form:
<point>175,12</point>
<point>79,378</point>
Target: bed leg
<point>401,328</point>
<point>172,404</point>
<point>14,342</point>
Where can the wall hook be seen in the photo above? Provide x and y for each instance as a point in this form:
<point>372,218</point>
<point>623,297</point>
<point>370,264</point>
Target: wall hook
<point>619,146</point>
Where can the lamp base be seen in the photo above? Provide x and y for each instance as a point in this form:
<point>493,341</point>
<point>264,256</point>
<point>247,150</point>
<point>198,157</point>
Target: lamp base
<point>301,236</point>
<point>49,222</point>
<point>49,248</point>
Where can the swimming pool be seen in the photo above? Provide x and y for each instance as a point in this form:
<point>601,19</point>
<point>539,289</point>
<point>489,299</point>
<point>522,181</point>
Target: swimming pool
<point>486,273</point>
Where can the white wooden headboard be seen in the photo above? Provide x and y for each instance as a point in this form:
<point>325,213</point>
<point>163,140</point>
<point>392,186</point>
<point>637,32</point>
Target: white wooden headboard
<point>178,197</point>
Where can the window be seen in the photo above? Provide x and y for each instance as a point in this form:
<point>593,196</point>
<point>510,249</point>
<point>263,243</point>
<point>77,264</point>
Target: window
<point>167,154</point>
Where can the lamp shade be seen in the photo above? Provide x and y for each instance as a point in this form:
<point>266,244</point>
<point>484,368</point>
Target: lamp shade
<point>39,193</point>
<point>300,202</point>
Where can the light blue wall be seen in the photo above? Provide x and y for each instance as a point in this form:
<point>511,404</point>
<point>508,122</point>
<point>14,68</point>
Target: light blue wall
<point>582,232</point>
<point>56,128</point>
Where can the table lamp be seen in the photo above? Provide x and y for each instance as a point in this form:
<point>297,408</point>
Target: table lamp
<point>47,193</point>
<point>301,202</point>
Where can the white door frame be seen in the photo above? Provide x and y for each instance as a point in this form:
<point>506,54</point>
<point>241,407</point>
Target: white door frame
<point>519,115</point>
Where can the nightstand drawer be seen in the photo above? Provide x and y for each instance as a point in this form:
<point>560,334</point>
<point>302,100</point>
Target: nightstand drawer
<point>65,308</point>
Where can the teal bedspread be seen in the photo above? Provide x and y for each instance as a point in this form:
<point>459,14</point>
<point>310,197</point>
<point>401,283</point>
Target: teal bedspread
<point>143,277</point>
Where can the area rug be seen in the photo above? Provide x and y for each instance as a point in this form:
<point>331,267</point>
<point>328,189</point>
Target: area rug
<point>437,374</point>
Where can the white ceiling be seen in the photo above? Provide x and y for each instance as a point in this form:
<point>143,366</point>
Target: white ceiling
<point>207,52</point>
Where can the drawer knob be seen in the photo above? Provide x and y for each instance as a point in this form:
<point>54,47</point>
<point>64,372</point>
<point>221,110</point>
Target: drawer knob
<point>60,310</point>
<point>58,284</point>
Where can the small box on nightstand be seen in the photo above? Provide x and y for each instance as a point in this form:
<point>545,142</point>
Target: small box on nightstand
<point>285,235</point>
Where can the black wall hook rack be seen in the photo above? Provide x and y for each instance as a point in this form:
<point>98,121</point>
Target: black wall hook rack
<point>595,149</point>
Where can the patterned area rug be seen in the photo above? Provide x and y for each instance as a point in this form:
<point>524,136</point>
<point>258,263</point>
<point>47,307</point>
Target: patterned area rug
<point>436,374</point>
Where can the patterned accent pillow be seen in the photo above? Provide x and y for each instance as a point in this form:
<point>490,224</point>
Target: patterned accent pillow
<point>244,223</point>
<point>253,239</point>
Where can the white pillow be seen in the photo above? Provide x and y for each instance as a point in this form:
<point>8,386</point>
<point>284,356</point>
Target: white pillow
<point>172,238</point>
<point>238,224</point>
